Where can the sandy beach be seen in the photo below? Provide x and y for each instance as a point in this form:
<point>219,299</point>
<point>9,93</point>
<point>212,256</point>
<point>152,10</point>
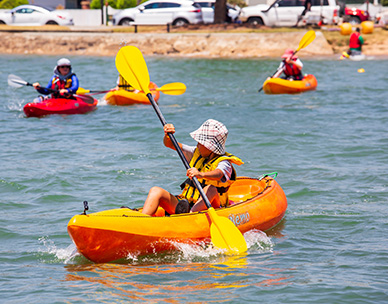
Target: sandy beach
<point>191,44</point>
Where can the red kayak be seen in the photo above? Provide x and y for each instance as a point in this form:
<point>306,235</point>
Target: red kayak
<point>75,105</point>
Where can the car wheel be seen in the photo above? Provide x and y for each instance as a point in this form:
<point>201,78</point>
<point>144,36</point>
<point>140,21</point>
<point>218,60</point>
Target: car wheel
<point>255,21</point>
<point>51,22</point>
<point>354,20</point>
<point>125,22</point>
<point>2,22</point>
<point>180,22</point>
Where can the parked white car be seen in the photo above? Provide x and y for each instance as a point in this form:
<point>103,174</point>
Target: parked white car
<point>208,10</point>
<point>175,12</point>
<point>28,15</point>
<point>286,12</point>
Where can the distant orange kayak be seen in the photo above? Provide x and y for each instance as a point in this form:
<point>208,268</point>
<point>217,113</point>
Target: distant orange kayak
<point>117,233</point>
<point>283,86</point>
<point>125,98</point>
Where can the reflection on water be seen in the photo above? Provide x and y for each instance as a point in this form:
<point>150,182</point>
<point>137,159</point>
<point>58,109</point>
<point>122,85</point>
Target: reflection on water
<point>231,274</point>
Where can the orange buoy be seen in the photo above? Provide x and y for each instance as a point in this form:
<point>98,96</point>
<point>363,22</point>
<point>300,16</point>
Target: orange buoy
<point>367,27</point>
<point>346,28</point>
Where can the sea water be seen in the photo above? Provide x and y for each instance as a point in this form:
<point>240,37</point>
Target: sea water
<point>329,147</point>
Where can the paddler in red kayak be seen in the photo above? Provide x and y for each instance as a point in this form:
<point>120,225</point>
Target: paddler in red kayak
<point>209,163</point>
<point>291,66</point>
<point>64,81</point>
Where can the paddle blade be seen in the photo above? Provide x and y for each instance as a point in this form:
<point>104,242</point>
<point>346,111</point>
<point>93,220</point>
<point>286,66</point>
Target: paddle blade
<point>82,91</point>
<point>174,88</point>
<point>131,65</point>
<point>225,235</point>
<point>306,40</point>
<point>16,81</point>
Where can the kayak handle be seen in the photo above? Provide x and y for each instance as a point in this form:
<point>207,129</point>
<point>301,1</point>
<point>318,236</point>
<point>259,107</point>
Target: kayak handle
<point>273,175</point>
<point>86,207</point>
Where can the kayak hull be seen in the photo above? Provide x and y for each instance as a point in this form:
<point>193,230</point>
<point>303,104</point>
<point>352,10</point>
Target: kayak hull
<point>119,233</point>
<point>126,98</point>
<point>64,106</point>
<point>283,86</point>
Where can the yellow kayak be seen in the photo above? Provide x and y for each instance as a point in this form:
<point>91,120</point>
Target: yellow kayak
<point>117,233</point>
<point>123,97</point>
<point>283,86</point>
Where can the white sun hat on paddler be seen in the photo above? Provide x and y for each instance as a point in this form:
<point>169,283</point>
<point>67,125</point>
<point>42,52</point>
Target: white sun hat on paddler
<point>63,62</point>
<point>212,134</point>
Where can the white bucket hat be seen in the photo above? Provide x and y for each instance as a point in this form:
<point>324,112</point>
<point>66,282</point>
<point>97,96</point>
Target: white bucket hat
<point>212,134</point>
<point>63,61</point>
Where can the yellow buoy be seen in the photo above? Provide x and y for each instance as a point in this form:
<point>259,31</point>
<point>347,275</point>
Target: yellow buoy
<point>361,70</point>
<point>367,27</point>
<point>346,28</point>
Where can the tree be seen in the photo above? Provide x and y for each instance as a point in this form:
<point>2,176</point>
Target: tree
<point>220,11</point>
<point>8,4</point>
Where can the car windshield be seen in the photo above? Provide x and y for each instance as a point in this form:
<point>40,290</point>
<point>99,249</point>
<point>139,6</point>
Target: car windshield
<point>205,4</point>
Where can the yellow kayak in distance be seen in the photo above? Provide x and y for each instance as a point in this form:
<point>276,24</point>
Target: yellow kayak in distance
<point>283,86</point>
<point>123,97</point>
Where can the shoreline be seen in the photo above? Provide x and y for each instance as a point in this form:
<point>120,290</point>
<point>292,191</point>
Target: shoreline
<point>188,44</point>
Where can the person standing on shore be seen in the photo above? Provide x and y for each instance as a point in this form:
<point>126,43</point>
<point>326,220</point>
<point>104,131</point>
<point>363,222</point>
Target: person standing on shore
<point>307,8</point>
<point>64,81</point>
<point>355,42</point>
<point>291,66</point>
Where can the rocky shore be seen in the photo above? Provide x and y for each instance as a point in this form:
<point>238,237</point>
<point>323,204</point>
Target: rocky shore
<point>210,45</point>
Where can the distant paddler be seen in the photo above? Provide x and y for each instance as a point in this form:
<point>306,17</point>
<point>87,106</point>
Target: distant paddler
<point>291,66</point>
<point>64,83</point>
<point>356,41</point>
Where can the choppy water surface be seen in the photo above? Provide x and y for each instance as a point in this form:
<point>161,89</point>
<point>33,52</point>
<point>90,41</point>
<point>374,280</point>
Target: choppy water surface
<point>329,147</point>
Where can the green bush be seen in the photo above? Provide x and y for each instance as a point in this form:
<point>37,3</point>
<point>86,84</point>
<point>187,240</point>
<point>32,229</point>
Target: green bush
<point>8,4</point>
<point>384,2</point>
<point>117,4</point>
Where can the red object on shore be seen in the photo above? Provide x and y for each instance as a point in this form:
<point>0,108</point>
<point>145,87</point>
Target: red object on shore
<point>76,105</point>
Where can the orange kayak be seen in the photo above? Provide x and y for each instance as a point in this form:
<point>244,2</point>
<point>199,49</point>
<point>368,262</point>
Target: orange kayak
<point>125,98</point>
<point>118,233</point>
<point>283,86</point>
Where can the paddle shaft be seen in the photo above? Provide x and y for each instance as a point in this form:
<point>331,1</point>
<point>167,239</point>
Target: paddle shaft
<point>178,149</point>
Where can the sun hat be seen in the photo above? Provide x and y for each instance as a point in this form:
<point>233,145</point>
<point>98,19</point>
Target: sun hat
<point>288,53</point>
<point>212,134</point>
<point>63,61</point>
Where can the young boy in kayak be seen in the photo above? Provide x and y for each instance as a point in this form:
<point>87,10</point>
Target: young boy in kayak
<point>209,163</point>
<point>63,80</point>
<point>291,66</point>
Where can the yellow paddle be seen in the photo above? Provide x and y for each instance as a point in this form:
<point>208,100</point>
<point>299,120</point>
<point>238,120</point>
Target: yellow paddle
<point>174,88</point>
<point>131,65</point>
<point>306,40</point>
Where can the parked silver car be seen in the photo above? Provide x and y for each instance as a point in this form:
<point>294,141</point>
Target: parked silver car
<point>28,15</point>
<point>286,12</point>
<point>208,11</point>
<point>175,12</point>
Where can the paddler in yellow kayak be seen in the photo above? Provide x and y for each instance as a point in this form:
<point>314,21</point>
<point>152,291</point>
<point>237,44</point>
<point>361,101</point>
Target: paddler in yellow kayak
<point>209,163</point>
<point>291,66</point>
